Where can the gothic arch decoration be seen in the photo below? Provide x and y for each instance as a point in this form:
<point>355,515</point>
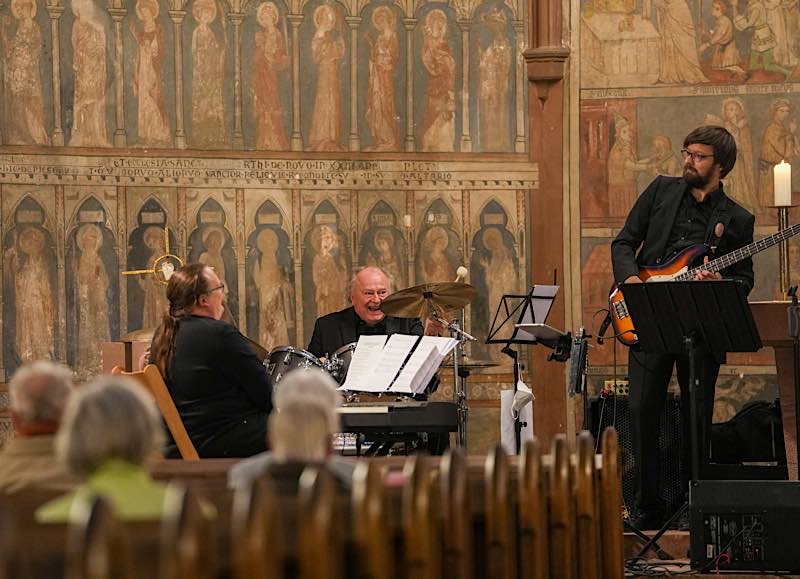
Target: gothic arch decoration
<point>438,247</point>
<point>269,268</point>
<point>494,270</point>
<point>30,287</point>
<point>211,243</point>
<point>326,264</point>
<point>383,245</point>
<point>92,287</point>
<point>147,301</point>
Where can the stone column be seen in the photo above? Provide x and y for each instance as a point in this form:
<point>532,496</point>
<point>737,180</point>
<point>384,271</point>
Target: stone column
<point>519,74</point>
<point>2,121</point>
<point>297,136</point>
<point>410,24</point>
<point>177,17</point>
<point>353,22</point>
<point>120,135</point>
<point>466,134</point>
<point>60,329</point>
<point>55,12</point>
<point>238,137</point>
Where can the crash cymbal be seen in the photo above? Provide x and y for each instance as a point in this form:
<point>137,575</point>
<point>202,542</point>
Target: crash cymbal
<point>420,300</point>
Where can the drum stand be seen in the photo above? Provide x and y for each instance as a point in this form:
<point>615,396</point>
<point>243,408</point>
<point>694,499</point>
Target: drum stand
<point>459,377</point>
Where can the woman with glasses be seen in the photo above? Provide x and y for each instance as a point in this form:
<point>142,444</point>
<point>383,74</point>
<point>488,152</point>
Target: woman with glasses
<point>220,387</point>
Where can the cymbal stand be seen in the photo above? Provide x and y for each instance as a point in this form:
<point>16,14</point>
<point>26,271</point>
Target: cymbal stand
<point>459,376</point>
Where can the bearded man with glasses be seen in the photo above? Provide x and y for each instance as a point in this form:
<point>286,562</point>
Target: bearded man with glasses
<point>672,214</point>
<point>220,387</point>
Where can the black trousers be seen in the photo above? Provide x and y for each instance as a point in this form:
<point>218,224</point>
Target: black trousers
<point>649,376</point>
<point>245,438</point>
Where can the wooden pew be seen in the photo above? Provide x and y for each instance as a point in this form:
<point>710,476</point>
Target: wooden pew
<point>456,515</point>
<point>187,538</point>
<point>500,517</point>
<point>611,535</point>
<point>372,534</point>
<point>422,537</point>
<point>256,532</point>
<point>587,511</point>
<point>97,547</point>
<point>533,529</point>
<point>319,545</point>
<point>562,515</point>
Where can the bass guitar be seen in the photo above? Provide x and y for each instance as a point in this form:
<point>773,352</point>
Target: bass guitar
<point>679,268</point>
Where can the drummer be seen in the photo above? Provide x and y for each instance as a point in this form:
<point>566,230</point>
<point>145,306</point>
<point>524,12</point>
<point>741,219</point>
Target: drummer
<point>368,288</point>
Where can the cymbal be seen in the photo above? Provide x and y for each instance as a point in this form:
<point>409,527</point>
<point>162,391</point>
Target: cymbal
<point>418,301</point>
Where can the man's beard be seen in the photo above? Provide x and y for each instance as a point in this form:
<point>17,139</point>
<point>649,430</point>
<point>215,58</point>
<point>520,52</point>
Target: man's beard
<point>695,179</point>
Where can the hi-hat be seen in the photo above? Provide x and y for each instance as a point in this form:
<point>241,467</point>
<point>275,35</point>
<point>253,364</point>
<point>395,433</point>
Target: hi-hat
<point>419,301</point>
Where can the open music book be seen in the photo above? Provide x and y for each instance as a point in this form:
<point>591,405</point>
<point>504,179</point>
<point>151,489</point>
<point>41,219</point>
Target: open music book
<point>401,364</point>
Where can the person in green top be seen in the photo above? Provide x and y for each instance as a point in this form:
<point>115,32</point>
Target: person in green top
<point>110,427</point>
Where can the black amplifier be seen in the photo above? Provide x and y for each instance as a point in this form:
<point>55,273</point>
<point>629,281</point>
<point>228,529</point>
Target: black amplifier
<point>744,526</point>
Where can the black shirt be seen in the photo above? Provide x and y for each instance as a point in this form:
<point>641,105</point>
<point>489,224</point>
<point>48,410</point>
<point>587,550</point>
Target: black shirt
<point>691,221</point>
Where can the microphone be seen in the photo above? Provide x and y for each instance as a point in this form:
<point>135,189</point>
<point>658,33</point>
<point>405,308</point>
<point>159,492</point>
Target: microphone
<point>461,274</point>
<point>577,367</point>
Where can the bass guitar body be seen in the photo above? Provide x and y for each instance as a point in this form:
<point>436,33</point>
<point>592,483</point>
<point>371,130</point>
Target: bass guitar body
<point>621,321</point>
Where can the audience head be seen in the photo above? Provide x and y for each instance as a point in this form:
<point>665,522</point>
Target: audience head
<point>109,418</point>
<point>38,393</point>
<point>368,288</point>
<point>302,426</point>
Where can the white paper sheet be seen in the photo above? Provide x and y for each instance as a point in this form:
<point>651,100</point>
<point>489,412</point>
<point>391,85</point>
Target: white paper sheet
<point>365,358</point>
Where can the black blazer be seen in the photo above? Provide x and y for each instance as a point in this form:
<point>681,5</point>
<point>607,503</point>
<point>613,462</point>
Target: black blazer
<point>650,222</point>
<point>338,329</point>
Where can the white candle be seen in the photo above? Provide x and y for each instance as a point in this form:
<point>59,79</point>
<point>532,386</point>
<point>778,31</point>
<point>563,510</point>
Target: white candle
<point>783,184</point>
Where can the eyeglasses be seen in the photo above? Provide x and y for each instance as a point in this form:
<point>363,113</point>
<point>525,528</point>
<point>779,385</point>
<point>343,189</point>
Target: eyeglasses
<point>219,287</point>
<point>696,157</point>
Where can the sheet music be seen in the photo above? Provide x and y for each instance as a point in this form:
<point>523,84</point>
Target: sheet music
<point>394,354</point>
<point>365,358</point>
<point>542,298</point>
<point>423,364</point>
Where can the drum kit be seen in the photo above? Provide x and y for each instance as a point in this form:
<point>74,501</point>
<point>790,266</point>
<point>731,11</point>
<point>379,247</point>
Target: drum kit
<point>435,301</point>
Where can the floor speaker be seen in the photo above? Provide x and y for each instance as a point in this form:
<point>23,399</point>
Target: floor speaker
<point>614,411</point>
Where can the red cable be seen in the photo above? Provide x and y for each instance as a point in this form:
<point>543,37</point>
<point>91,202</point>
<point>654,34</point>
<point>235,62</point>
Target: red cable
<point>725,555</point>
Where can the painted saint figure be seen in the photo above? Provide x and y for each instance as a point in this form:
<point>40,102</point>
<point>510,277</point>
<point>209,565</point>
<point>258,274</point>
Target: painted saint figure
<point>435,264</point>
<point>213,241</point>
<point>678,62</point>
<point>386,255</point>
<point>152,125</point>
<point>269,60</point>
<point>328,270</point>
<point>439,122</point>
<point>91,287</point>
<point>499,272</point>
<point>89,65</point>
<point>274,293</point>
<point>155,293</point>
<point>384,53</point>
<point>327,50</point>
<point>779,142</point>
<point>22,52</point>
<point>494,66</point>
<point>724,53</point>
<point>208,75</point>
<point>35,307</point>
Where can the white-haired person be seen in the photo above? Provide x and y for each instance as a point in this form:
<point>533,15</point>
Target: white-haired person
<point>110,428</point>
<point>38,393</point>
<point>300,431</point>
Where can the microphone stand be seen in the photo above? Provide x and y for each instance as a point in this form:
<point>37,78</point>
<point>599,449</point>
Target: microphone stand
<point>518,424</point>
<point>794,331</point>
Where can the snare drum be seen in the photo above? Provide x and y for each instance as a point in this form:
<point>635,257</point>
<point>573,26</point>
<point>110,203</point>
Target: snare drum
<point>284,359</point>
<point>340,362</point>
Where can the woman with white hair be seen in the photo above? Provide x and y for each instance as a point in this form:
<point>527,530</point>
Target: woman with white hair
<point>110,427</point>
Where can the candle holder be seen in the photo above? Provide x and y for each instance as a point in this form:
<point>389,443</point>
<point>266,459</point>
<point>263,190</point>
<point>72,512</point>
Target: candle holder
<point>783,248</point>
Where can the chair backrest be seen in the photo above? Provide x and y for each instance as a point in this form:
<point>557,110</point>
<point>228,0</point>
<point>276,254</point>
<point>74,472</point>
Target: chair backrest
<point>371,527</point>
<point>97,547</point>
<point>187,537</point>
<point>611,506</point>
<point>562,513</point>
<point>422,533</point>
<point>456,515</point>
<point>151,379</point>
<point>319,540</point>
<point>587,511</point>
<point>256,532</point>
<point>500,523</point>
<point>534,555</point>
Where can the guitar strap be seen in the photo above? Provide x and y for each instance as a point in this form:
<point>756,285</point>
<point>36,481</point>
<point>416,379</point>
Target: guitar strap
<point>717,225</point>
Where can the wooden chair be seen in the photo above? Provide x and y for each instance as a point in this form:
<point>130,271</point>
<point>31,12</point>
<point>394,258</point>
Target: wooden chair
<point>562,518</point>
<point>611,507</point>
<point>151,379</point>
<point>422,537</point>
<point>97,547</point>
<point>587,512</point>
<point>534,556</point>
<point>319,544</point>
<point>187,538</point>
<point>256,532</point>
<point>500,538</point>
<point>456,515</point>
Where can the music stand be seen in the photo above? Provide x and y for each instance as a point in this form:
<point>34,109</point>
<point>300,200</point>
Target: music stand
<point>675,318</point>
<point>519,319</point>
